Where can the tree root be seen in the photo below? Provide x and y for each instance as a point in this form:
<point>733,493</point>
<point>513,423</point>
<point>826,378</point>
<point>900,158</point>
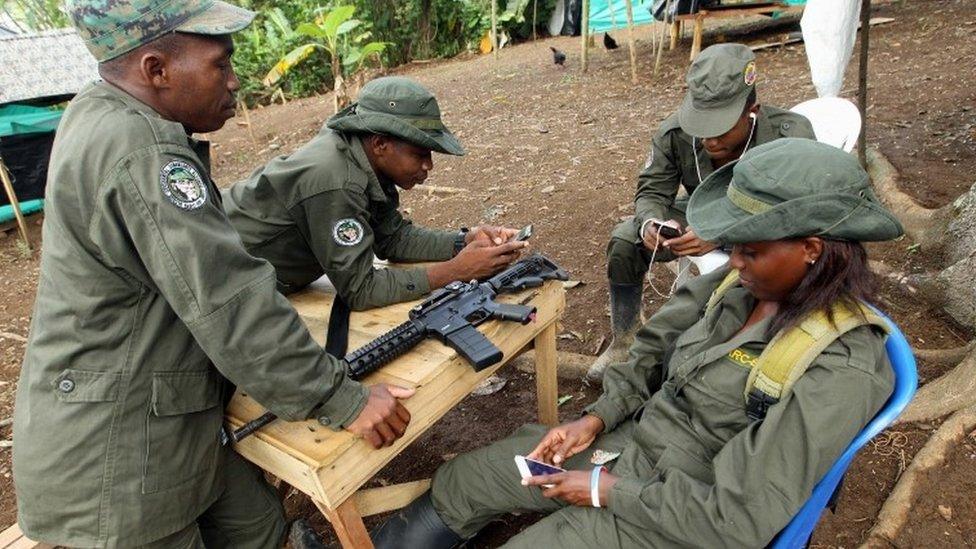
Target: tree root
<point>954,390</point>
<point>926,226</point>
<point>944,357</point>
<point>569,365</point>
<point>894,512</point>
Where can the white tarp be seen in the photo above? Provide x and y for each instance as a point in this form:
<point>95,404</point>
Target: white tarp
<point>829,30</point>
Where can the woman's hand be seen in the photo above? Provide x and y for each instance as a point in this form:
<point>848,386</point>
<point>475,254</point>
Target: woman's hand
<point>567,440</point>
<point>573,487</point>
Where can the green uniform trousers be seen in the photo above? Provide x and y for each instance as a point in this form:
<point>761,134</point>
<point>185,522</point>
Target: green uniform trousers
<point>475,488</point>
<point>246,515</point>
<point>627,258</point>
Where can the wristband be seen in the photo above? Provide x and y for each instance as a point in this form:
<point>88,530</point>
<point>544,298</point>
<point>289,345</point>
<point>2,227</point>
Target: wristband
<point>595,485</point>
<point>459,238</point>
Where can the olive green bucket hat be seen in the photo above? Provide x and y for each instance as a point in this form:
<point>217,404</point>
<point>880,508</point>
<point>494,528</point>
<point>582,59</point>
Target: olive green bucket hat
<point>401,108</point>
<point>719,83</point>
<point>111,28</point>
<point>790,188</point>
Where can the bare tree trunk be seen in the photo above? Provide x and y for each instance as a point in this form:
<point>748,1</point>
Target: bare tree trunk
<point>630,38</point>
<point>585,34</point>
<point>954,390</point>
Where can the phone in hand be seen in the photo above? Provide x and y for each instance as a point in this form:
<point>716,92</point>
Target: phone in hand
<point>531,468</point>
<point>666,232</point>
<point>522,235</point>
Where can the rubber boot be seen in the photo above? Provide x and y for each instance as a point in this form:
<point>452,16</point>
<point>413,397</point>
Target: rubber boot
<point>416,526</point>
<point>301,536</point>
<point>625,306</point>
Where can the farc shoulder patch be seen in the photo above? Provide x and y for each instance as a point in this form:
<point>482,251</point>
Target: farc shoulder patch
<point>347,232</point>
<point>182,185</point>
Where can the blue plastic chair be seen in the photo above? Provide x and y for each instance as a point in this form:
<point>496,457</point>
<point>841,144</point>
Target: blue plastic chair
<point>797,533</point>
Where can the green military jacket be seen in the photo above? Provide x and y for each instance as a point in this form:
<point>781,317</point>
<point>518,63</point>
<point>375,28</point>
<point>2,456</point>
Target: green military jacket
<point>148,309</point>
<point>323,210</point>
<point>671,160</point>
<point>698,471</point>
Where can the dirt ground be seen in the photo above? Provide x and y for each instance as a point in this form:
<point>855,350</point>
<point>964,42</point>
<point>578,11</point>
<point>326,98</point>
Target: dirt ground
<point>561,150</point>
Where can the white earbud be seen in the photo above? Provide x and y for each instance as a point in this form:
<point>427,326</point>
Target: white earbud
<point>752,115</point>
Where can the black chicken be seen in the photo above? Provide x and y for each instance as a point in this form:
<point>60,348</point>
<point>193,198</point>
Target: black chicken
<point>609,42</point>
<point>558,57</point>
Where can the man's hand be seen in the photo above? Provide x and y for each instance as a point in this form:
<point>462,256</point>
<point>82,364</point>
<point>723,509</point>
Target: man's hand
<point>490,234</point>
<point>652,241</point>
<point>689,244</point>
<point>573,487</point>
<point>477,260</point>
<point>567,440</point>
<point>384,419</point>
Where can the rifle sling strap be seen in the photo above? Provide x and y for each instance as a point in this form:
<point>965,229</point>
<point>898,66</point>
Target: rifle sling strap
<point>337,337</point>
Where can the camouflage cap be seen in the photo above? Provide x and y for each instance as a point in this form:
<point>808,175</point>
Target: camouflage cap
<point>790,188</point>
<point>719,82</point>
<point>111,28</point>
<point>401,108</point>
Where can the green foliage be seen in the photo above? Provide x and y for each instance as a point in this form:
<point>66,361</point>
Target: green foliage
<point>37,15</point>
<point>415,29</point>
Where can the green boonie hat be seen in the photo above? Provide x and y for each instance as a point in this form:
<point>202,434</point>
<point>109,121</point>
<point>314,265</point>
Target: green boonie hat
<point>401,108</point>
<point>111,28</point>
<point>719,82</point>
<point>790,188</point>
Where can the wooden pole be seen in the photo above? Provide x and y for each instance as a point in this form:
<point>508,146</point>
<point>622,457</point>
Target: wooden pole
<point>862,92</point>
<point>494,30</point>
<point>630,38</point>
<point>535,10</point>
<point>8,187</point>
<point>664,30</point>
<point>585,33</point>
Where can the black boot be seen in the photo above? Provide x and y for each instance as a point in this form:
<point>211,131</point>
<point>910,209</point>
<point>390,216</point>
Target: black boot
<point>625,306</point>
<point>301,536</point>
<point>416,526</point>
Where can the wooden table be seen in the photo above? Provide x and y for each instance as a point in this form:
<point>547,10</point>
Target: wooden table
<point>731,10</point>
<point>330,467</point>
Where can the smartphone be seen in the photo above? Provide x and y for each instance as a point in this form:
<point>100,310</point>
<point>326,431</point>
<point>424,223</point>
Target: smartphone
<point>667,232</point>
<point>523,235</point>
<point>532,468</point>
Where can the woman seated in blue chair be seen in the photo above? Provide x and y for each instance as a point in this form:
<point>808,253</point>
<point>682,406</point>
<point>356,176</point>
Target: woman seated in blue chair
<point>738,394</point>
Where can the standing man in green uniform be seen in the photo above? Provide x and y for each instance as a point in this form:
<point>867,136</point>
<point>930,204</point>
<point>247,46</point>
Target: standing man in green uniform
<point>717,122</point>
<point>149,310</point>
<point>685,447</point>
<point>333,204</point>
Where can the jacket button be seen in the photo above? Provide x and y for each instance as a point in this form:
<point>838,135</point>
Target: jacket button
<point>411,286</point>
<point>325,421</point>
<point>786,125</point>
<point>66,386</point>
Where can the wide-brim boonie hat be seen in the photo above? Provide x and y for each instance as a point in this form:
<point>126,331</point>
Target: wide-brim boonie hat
<point>719,83</point>
<point>401,108</point>
<point>790,188</point>
<point>111,29</point>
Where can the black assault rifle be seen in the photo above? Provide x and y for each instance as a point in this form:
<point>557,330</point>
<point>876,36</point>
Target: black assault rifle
<point>450,314</point>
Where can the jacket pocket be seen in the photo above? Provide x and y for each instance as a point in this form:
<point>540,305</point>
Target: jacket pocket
<point>676,458</point>
<point>86,386</point>
<point>182,428</point>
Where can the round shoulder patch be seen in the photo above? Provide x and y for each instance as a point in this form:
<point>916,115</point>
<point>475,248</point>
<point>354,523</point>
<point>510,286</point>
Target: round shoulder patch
<point>347,232</point>
<point>750,73</point>
<point>182,185</point>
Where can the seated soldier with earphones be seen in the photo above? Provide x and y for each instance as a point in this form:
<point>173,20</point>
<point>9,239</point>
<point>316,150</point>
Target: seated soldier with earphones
<point>717,122</point>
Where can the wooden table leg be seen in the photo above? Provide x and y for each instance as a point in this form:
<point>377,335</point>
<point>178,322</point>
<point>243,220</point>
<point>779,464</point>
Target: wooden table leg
<point>696,41</point>
<point>348,524</point>
<point>675,31</point>
<point>546,388</point>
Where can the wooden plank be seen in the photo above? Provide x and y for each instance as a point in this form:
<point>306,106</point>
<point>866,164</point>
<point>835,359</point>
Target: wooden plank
<point>9,536</point>
<point>343,473</point>
<point>284,466</point>
<point>348,525</point>
<point>374,501</point>
<point>546,386</point>
<point>312,443</point>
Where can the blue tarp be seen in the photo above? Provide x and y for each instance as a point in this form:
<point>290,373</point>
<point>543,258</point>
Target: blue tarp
<point>24,119</point>
<point>601,19</point>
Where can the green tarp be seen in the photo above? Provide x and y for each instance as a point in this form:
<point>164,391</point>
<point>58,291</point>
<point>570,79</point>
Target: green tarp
<point>24,119</point>
<point>604,13</point>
